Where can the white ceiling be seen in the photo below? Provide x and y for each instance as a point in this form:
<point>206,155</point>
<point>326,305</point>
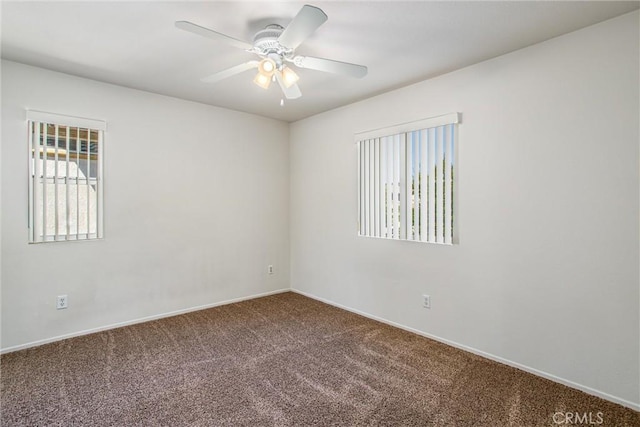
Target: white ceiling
<point>136,44</point>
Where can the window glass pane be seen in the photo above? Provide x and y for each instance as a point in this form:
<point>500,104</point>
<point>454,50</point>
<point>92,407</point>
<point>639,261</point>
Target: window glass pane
<point>64,196</point>
<point>413,180</point>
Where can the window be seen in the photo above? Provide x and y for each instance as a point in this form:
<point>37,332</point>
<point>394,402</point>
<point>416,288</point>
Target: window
<point>65,177</point>
<point>406,177</point>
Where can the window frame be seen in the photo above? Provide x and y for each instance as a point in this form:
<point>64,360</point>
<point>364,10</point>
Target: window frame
<point>36,232</point>
<point>376,138</point>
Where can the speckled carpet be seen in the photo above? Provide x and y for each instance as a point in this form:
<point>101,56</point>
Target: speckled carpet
<point>283,360</point>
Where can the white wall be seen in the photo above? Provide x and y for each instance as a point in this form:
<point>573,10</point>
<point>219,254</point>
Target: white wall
<point>546,272</point>
<point>196,207</point>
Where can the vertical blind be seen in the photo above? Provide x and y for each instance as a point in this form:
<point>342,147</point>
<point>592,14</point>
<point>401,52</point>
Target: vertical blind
<point>406,177</point>
<point>65,177</point>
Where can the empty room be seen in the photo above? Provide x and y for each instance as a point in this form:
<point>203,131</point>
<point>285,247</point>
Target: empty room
<point>358,213</point>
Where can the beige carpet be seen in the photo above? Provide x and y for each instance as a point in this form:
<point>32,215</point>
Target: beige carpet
<point>283,360</point>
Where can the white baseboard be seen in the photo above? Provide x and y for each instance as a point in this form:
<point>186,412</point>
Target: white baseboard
<point>140,320</point>
<point>554,378</point>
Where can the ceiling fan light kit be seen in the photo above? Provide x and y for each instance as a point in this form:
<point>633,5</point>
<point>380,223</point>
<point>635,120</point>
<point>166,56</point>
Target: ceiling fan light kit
<point>276,45</point>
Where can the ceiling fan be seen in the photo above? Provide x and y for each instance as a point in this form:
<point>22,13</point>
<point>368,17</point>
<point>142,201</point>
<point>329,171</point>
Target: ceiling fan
<point>276,46</point>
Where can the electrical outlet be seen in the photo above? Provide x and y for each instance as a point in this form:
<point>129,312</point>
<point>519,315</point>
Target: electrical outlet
<point>61,302</point>
<point>270,269</point>
<point>426,301</point>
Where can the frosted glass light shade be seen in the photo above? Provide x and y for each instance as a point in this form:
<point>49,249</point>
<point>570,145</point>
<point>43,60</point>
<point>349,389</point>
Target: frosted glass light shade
<point>289,77</point>
<point>262,80</point>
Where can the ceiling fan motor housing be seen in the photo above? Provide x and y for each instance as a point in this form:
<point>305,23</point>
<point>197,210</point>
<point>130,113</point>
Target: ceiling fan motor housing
<point>265,43</point>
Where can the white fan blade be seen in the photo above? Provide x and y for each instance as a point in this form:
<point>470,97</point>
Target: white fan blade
<point>291,92</point>
<point>331,66</point>
<point>205,32</point>
<point>307,20</point>
<point>230,72</point>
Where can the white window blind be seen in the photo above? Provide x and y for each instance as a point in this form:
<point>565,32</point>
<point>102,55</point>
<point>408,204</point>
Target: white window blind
<point>406,181</point>
<point>65,177</point>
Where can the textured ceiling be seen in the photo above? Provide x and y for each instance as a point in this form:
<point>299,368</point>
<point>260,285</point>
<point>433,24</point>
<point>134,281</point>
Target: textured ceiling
<point>136,44</point>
